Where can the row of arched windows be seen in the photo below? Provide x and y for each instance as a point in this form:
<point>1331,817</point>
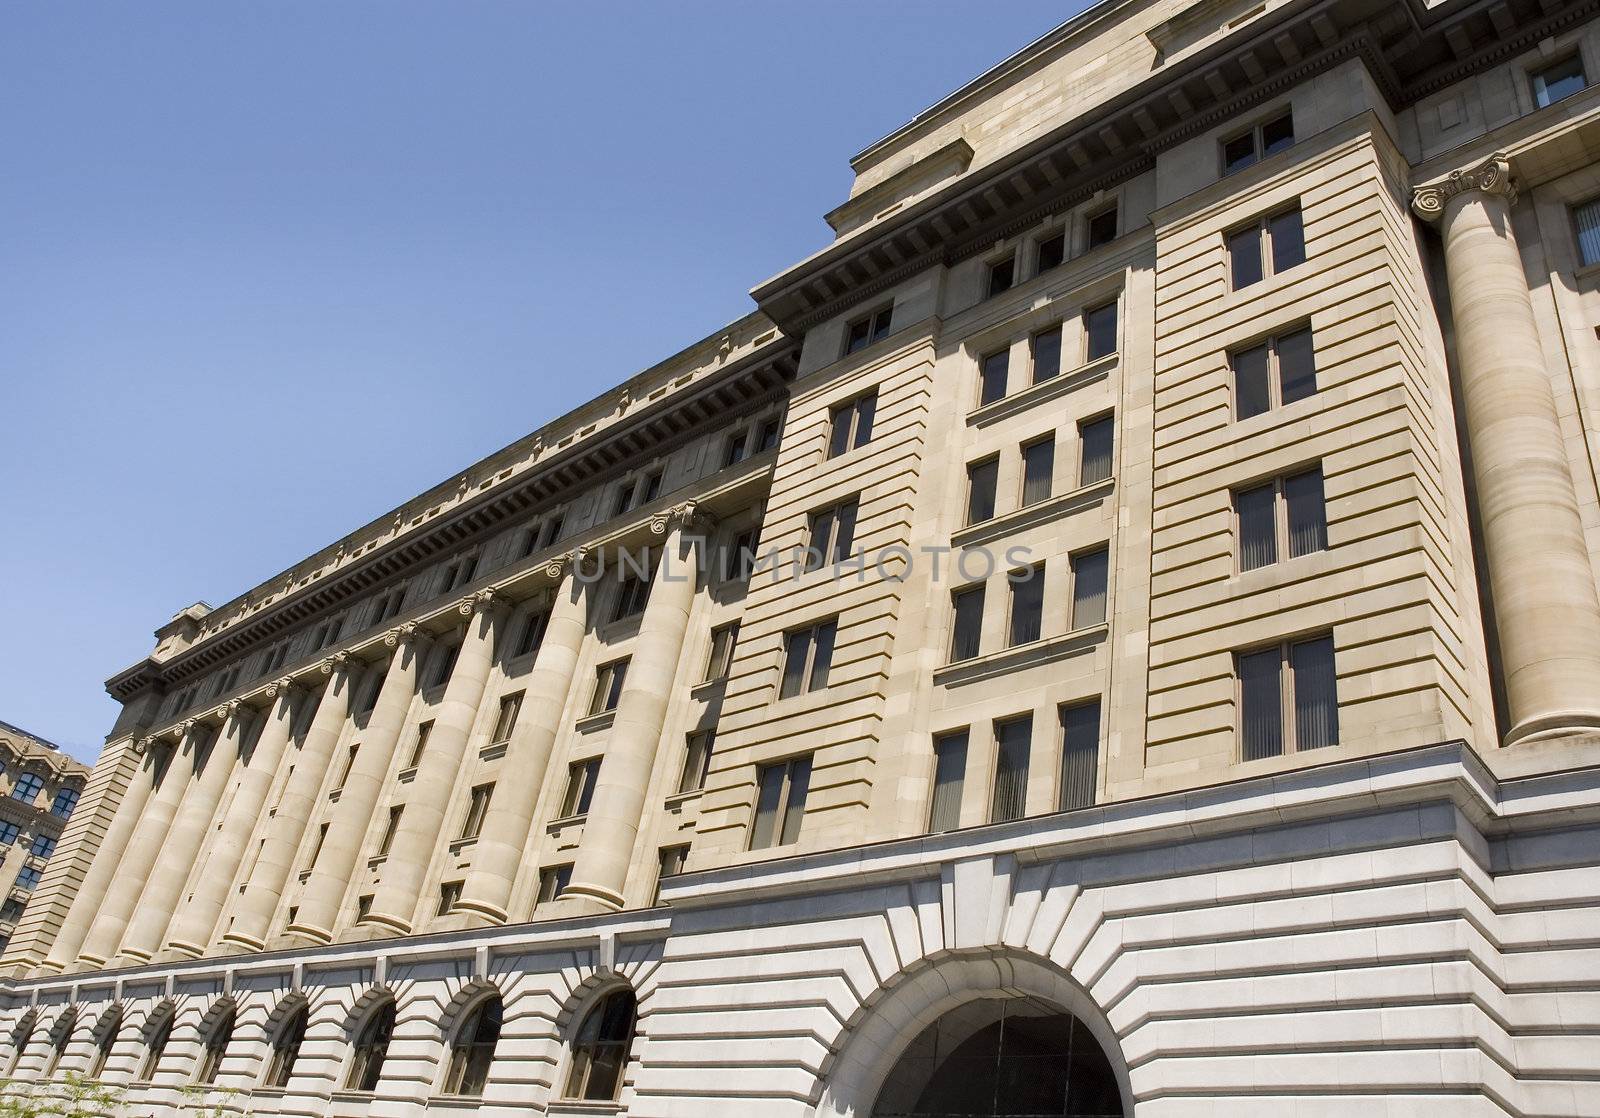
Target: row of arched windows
<point>599,1048</point>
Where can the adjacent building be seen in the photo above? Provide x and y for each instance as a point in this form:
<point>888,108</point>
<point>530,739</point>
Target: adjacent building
<point>41,787</point>
<point>1115,632</point>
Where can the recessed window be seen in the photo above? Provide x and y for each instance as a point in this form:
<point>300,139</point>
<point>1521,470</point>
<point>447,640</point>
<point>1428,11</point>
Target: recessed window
<point>1587,220</point>
<point>734,448</point>
<point>1276,242</point>
<point>1096,441</point>
<point>1558,80</point>
<point>66,800</point>
<point>553,881</point>
<point>477,811</point>
<point>1090,571</point>
<point>1287,698</point>
<point>532,634</point>
<point>966,637</point>
<point>286,1045</point>
<point>600,1049</point>
<point>27,787</point>
<point>444,665</point>
<point>581,779</point>
<point>851,424</point>
<point>1286,516</point>
<point>1275,372</point>
<point>671,862</point>
<point>982,480</point>
<point>1103,228</point>
<point>108,1027</point>
<point>316,849</point>
<point>807,658</point>
<point>1248,148</point>
<point>1051,252</point>
<point>949,779</point>
<point>738,557</point>
<point>369,695</point>
<point>156,1046</point>
<point>349,764</point>
<point>216,1048</point>
<point>1080,753</point>
<point>1002,274</point>
<point>1012,740</point>
<point>1038,470</point>
<point>633,593</point>
<point>696,761</point>
<point>449,894</point>
<point>417,747</point>
<point>832,534</point>
<point>608,680</point>
<point>1045,349</point>
<point>867,329</point>
<point>1027,605</point>
<point>371,1049</point>
<point>472,1051</point>
<point>720,659</point>
<point>363,906</point>
<point>1100,331</point>
<point>637,491</point>
<point>9,832</point>
<point>390,829</point>
<point>458,572</point>
<point>387,606</point>
<point>781,791</point>
<point>43,846</point>
<point>992,375</point>
<point>28,877</point>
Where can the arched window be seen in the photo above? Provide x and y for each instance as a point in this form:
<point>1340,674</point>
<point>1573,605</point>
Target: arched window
<point>20,1036</point>
<point>600,1048</point>
<point>156,1046</point>
<point>372,1048</point>
<point>60,1041</point>
<point>286,1046</point>
<point>216,1048</point>
<point>472,1053</point>
<point>108,1030</point>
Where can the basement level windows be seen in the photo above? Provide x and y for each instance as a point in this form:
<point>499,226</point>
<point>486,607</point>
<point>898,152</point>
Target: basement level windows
<point>1268,246</point>
<point>1558,80</point>
<point>1248,148</point>
<point>867,329</point>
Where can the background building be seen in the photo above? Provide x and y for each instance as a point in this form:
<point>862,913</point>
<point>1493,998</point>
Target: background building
<point>42,788</point>
<point>1209,725</point>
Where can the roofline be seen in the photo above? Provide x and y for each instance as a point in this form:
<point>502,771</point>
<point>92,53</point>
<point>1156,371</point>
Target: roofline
<point>7,727</point>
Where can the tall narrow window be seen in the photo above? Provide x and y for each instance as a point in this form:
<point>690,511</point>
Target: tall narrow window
<point>1027,604</point>
<point>1096,439</point>
<point>767,434</point>
<point>992,375</point>
<point>1562,79</point>
<point>444,665</point>
<point>1306,512</point>
<point>1587,220</point>
<point>633,592</point>
<point>216,1048</point>
<point>107,1032</point>
<point>286,1046</point>
<point>808,657</point>
<point>477,810</point>
<point>1002,274</point>
<point>720,658</point>
<point>1287,698</point>
<point>608,680</point>
<point>532,634</point>
<point>851,424</point>
<point>1090,572</point>
<point>1012,742</point>
<point>372,1049</point>
<point>1038,470</point>
<point>1257,526</point>
<point>581,779</point>
<point>867,329</point>
<point>1316,705</point>
<point>734,447</point>
<point>1045,347</point>
<point>696,761</point>
<point>1103,228</point>
<point>833,534</point>
<point>672,860</point>
<point>449,894</point>
<point>1278,371</point>
<point>1100,331</point>
<point>1052,251</point>
<point>738,557</point>
<point>506,720</point>
<point>421,744</point>
<point>1080,753</point>
<point>966,637</point>
<point>553,881</point>
<point>155,1047</point>
<point>949,777</point>
<point>781,791</point>
<point>1288,239</point>
<point>982,480</point>
<point>390,829</point>
<point>600,1049</point>
<point>472,1051</point>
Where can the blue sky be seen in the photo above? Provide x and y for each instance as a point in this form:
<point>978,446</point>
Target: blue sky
<point>271,269</point>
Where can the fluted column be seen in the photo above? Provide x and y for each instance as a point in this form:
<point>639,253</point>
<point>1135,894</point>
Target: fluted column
<point>195,925</point>
<point>1546,607</point>
<point>400,884</point>
<point>502,844</point>
<point>352,815</point>
<point>110,920</point>
<point>262,892</point>
<point>601,868</point>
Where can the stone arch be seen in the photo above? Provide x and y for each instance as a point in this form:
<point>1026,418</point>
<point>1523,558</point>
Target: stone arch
<point>585,999</point>
<point>21,1037</point>
<point>360,1009</point>
<point>870,1044</point>
<point>214,1012</point>
<point>289,1003</point>
<point>463,1000</point>
<point>59,1037</point>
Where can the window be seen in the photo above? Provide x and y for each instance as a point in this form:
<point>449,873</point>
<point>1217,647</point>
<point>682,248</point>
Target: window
<point>949,777</point>
<point>276,657</point>
<point>1052,251</point>
<point>9,832</point>
<point>1287,698</point>
<point>1045,348</point>
<point>632,594</point>
<point>510,706</point>
<point>734,447</point>
<point>349,764</point>
<point>966,637</point>
<point>720,659</point>
<point>608,679</point>
<point>286,1047</point>
<point>808,654</point>
<point>1090,570</point>
<point>532,634</point>
<point>1103,228</point>
<point>11,910</point>
<point>363,906</point>
<point>1279,371</point>
<point>867,329</point>
<point>372,1049</point>
<point>459,571</point>
<point>672,861</point>
<point>1285,516</point>
<point>477,809</point>
<point>1080,753</point>
<point>637,491</point>
<point>388,605</point>
<point>1100,331</point>
<point>1278,241</point>
<point>982,479</point>
<point>739,556</point>
<point>1002,274</point>
<point>444,665</point>
<point>697,761</point>
<point>1261,141</point>
<point>28,877</point>
<point>768,434</point>
<point>106,1042</point>
<point>553,881</point>
<point>66,799</point>
<point>1011,739</point>
<point>851,424</point>
<point>61,1040</point>
<point>156,1046</point>
<point>600,1049</point>
<point>581,778</point>
<point>992,373</point>
<point>1587,219</point>
<point>780,802</point>
<point>216,1048</point>
<point>1038,470</point>
<point>1027,605</point>
<point>389,829</point>
<point>1096,441</point>
<point>449,894</point>
<point>43,846</point>
<point>322,837</point>
<point>1561,79</point>
<point>369,695</point>
<point>27,787</point>
<point>833,534</point>
<point>552,529</point>
<point>420,744</point>
<point>472,1052</point>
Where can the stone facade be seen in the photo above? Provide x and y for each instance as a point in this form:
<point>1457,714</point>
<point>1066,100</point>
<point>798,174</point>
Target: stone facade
<point>1195,670</point>
<point>42,789</point>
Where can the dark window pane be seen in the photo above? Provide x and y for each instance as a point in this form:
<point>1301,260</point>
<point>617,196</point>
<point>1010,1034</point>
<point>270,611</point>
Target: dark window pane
<point>1090,572</point>
<point>1100,325</point>
<point>1096,440</point>
<point>992,384</point>
<point>1038,467</point>
<point>1277,134</point>
<point>1258,536</point>
<point>1080,753</point>
<point>1238,153</point>
<point>857,335</point>
<point>1052,251</point>
<point>1103,228</point>
<point>821,536</point>
<point>1046,354</point>
<point>968,630</point>
<point>768,797</point>
<point>881,323</point>
<point>949,777</point>
<point>1308,517</point>
<point>1250,393</point>
<point>1010,769</point>
<point>1027,605</point>
<point>797,649</point>
<point>981,480</point>
<point>1288,241</point>
<point>1587,219</point>
<point>1297,369</point>
<point>1002,274</point>
<point>1316,707</point>
<point>1261,699</point>
<point>794,808</point>
<point>1561,80</point>
<point>865,409</point>
<point>839,438</point>
<point>844,533</point>
<point>822,657</point>
<point>1244,258</point>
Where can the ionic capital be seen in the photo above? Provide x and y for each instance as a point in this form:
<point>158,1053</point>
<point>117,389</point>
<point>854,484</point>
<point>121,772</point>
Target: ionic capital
<point>1492,176</point>
<point>689,514</point>
<point>403,634</point>
<point>480,601</point>
<point>284,686</point>
<point>557,566</point>
<point>343,661</point>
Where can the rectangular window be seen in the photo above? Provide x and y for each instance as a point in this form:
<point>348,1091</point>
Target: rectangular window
<point>671,862</point>
<point>363,906</point>
<point>1103,228</point>
<point>449,894</point>
<point>43,846</point>
<point>867,329</point>
<point>992,374</point>
<point>1038,470</point>
<point>1285,516</point>
<point>1287,237</point>
<point>1287,698</point>
<point>1587,219</point>
<point>1027,605</point>
<point>420,744</point>
<point>1559,80</point>
<point>949,778</point>
<point>608,679</point>
<point>581,777</point>
<point>738,557</point>
<point>1080,753</point>
<point>1278,371</point>
<point>1046,350</point>
<point>1002,274</point>
<point>1012,740</point>
<point>27,787</point>
<point>444,665</point>
<point>1100,331</point>
<point>349,764</point>
<point>696,761</point>
<point>552,529</point>
<point>386,843</point>
<point>1265,139</point>
<point>1278,239</point>
<point>982,479</point>
<point>28,877</point>
<point>553,880</point>
<point>506,721</point>
<point>1052,251</point>
<point>1090,571</point>
<point>768,434</point>
<point>477,810</point>
<point>633,592</point>
<point>723,640</point>
<point>966,638</point>
<point>369,695</point>
<point>833,534</point>
<point>733,448</point>
<point>322,837</point>
<point>388,605</point>
<point>1096,442</point>
<point>1257,525</point>
<point>532,634</point>
<point>851,424</point>
<point>808,656</point>
<point>780,802</point>
<point>8,833</point>
<point>651,489</point>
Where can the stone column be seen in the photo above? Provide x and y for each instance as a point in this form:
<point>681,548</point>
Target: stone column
<point>421,825</point>
<point>195,817</point>
<point>1545,603</point>
<point>253,916</point>
<point>195,925</point>
<point>352,815</point>
<point>503,842</point>
<point>146,844</point>
<point>601,868</point>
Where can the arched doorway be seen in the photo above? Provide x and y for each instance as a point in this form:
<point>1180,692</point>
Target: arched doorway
<point>1002,1057</point>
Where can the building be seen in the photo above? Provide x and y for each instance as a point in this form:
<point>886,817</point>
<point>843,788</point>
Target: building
<point>42,788</point>
<point>1207,726</point>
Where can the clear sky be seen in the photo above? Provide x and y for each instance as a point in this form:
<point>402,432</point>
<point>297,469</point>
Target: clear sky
<point>270,269</point>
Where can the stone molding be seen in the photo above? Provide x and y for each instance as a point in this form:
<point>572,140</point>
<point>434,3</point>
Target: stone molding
<point>1492,176</point>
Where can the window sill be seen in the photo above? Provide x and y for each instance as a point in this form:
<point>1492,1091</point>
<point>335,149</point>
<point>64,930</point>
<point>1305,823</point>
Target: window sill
<point>573,1108</point>
<point>679,799</point>
<point>620,628</point>
<point>493,751</point>
<point>1040,512</point>
<point>1058,385</point>
<point>460,844</point>
<point>305,876</point>
<point>348,1094</point>
<point>589,723</point>
<point>406,776</point>
<point>376,860</point>
<point>707,687</point>
<point>564,822</point>
<point>462,1103</point>
<point>333,797</point>
<point>1019,657</point>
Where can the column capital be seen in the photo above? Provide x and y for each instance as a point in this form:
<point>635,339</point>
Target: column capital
<point>141,746</point>
<point>404,634</point>
<point>689,514</point>
<point>1492,176</point>
<point>288,685</point>
<point>480,601</point>
<point>557,566</point>
<point>342,661</point>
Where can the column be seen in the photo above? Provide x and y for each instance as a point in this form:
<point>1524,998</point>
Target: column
<point>110,919</point>
<point>1546,608</point>
<point>504,839</point>
<point>195,817</point>
<point>352,815</point>
<point>421,824</point>
<point>253,916</point>
<point>195,925</point>
<point>601,868</point>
